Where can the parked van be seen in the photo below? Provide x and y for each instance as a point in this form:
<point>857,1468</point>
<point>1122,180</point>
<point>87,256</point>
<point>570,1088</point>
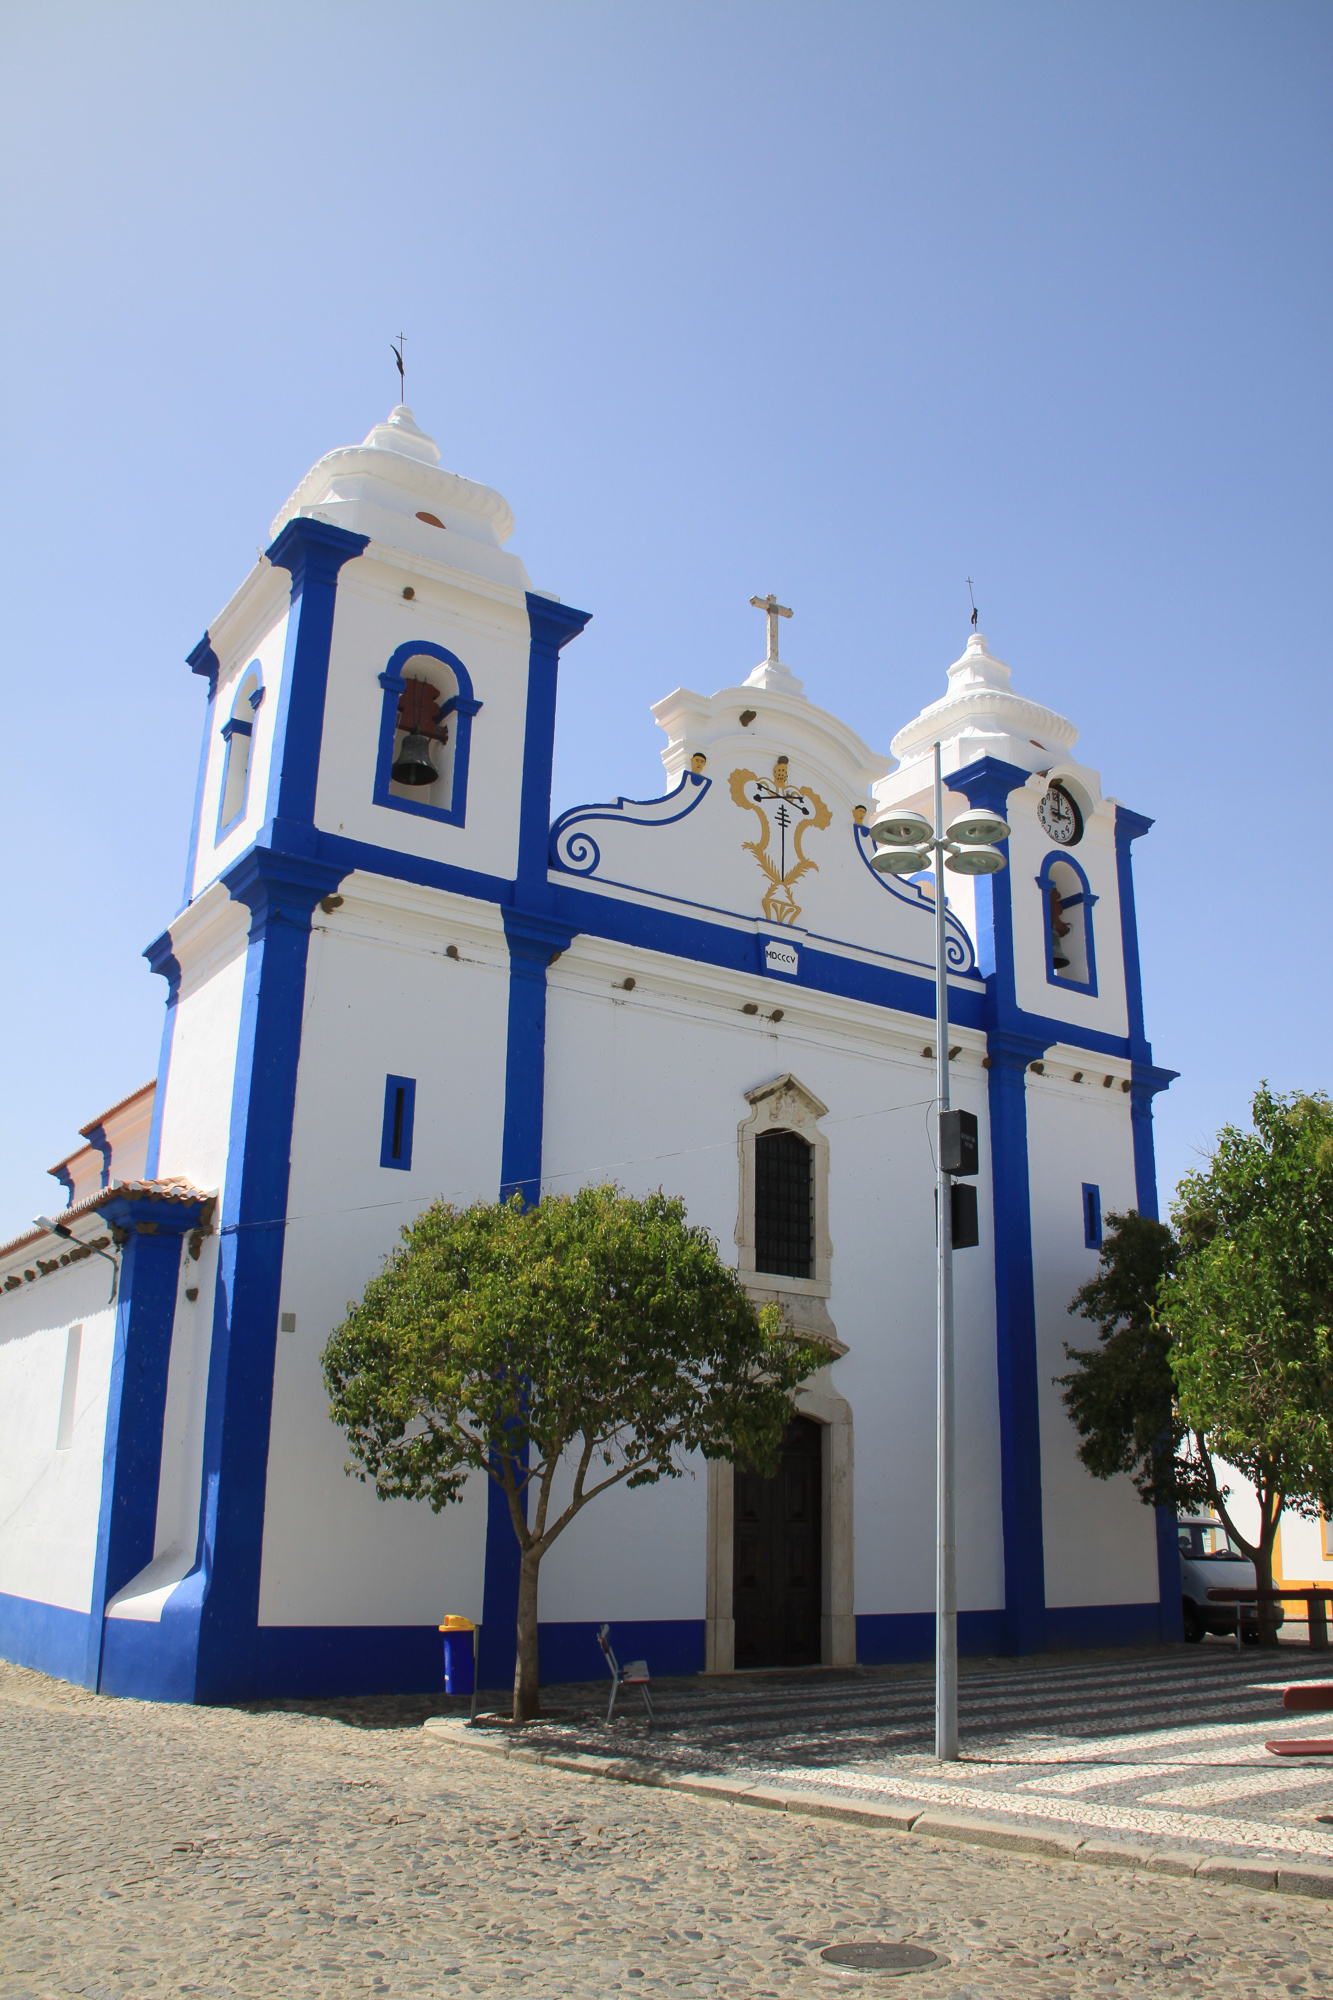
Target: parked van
<point>1210,1560</point>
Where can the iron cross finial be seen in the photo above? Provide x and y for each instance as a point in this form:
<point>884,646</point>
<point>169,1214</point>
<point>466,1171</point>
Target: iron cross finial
<point>974,604</point>
<point>396,350</point>
<point>775,611</point>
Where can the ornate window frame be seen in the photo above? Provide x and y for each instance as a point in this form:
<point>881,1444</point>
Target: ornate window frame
<point>462,706</point>
<point>786,1105</point>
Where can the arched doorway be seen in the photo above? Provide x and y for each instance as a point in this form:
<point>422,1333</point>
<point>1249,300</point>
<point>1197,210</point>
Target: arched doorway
<point>777,1561</point>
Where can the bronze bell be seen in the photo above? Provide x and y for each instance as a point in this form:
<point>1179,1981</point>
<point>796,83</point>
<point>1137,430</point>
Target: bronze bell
<point>413,765</point>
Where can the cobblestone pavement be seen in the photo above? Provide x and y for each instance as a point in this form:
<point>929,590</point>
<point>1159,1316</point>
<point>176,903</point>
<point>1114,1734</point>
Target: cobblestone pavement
<point>1164,1747</point>
<point>334,1849</point>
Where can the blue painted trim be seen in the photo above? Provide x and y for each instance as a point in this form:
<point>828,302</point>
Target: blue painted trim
<point>323,1661</point>
<point>1145,1082</point>
<point>570,1652</point>
<point>1016,1345</point>
<point>461,705</point>
<point>1012,1044</point>
<point>888,1638</point>
<point>314,552</point>
<point>203,661</point>
<point>162,958</point>
<point>533,941</point>
<point>396,1133</point>
<point>1129,827</point>
<point>1171,1619</point>
<point>736,950</point>
<point>1084,900</point>
<point>66,1180</point>
<point>577,853</point>
<point>551,626</point>
<point>1092,1216</point>
<point>1072,1627</point>
<point>136,1399</point>
<point>49,1638</point>
<point>206,1641</point>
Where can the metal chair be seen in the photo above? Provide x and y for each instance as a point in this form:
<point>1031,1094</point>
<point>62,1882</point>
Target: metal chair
<point>634,1674</point>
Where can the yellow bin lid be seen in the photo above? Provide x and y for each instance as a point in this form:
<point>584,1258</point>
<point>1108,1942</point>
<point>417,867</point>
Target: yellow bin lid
<point>453,1624</point>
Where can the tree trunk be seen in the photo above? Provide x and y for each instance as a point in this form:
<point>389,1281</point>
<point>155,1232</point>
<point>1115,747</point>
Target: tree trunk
<point>526,1700</point>
<point>1263,1575</point>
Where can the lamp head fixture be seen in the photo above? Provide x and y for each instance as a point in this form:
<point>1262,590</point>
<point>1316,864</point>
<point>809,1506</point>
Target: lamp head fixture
<point>901,860</point>
<point>902,829</point>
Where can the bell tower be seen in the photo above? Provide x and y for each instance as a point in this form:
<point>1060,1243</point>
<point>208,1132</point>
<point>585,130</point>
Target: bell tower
<point>355,1018</point>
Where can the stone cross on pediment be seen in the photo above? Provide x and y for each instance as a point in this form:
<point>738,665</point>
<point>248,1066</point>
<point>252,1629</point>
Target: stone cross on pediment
<point>775,611</point>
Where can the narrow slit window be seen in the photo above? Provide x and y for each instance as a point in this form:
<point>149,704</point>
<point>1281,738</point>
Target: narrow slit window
<point>783,1207</point>
<point>238,735</point>
<point>400,1097</point>
<point>1092,1216</point>
<point>69,1389</point>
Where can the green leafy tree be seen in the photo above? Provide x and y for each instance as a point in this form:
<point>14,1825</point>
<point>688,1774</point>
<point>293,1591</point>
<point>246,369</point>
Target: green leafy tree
<point>1249,1314</point>
<point>1215,1337</point>
<point>1121,1394</point>
<point>595,1331</point>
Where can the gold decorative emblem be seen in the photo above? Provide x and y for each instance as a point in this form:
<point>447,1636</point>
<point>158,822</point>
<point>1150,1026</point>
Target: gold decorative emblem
<point>786,814</point>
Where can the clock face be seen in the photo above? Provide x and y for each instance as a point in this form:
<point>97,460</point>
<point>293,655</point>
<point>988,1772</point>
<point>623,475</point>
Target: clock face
<point>1060,816</point>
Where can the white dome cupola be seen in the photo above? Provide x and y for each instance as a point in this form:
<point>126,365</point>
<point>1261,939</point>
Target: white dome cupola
<point>981,716</point>
<point>393,488</point>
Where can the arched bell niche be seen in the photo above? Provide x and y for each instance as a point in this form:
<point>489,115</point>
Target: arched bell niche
<point>238,735</point>
<point>425,734</point>
<point>1067,906</point>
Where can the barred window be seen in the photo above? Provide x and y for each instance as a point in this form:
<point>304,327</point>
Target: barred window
<point>783,1206</point>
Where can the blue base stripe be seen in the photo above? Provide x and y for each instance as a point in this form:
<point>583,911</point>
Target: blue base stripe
<point>48,1637</point>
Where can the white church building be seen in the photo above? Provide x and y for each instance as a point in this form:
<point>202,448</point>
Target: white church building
<point>393,979</point>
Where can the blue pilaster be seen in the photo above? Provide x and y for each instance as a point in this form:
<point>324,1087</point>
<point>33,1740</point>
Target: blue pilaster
<point>204,662</point>
<point>280,892</point>
<point>163,960</point>
<point>1145,1081</point>
<point>551,626</point>
<point>314,552</point>
<point>1016,1345</point>
<point>534,937</point>
<point>150,1234</point>
<point>1013,1040</point>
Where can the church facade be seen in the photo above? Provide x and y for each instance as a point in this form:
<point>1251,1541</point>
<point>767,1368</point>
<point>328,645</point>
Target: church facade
<point>393,979</point>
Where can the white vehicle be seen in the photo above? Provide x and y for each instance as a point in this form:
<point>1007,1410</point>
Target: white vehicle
<point>1209,1561</point>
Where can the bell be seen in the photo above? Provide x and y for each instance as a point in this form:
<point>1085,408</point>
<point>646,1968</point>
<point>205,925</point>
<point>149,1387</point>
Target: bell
<point>414,766</point>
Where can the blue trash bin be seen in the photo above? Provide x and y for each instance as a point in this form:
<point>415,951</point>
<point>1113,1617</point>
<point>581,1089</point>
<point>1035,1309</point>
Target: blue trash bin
<point>458,1663</point>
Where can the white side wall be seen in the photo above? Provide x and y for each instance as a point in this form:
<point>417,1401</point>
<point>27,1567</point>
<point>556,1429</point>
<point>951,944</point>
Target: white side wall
<point>1100,1540</point>
<point>49,1498</point>
<point>267,646</point>
<point>647,1089</point>
<point>382,998</point>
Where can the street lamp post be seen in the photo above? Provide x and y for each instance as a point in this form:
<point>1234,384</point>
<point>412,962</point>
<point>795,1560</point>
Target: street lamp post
<point>910,842</point>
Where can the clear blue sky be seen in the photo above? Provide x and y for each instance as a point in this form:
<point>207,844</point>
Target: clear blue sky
<point>849,302</point>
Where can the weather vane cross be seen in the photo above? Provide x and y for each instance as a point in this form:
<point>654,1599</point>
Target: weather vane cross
<point>974,604</point>
<point>775,611</point>
<point>397,352</point>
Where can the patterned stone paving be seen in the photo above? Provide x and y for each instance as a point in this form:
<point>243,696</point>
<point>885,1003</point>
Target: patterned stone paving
<point>1165,1747</point>
<point>333,1849</point>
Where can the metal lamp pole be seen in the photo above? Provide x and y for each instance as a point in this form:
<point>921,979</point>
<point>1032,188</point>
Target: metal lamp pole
<point>908,840</point>
<point>946,1554</point>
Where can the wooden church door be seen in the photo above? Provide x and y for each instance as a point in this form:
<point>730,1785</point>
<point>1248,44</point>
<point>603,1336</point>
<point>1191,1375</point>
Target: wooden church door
<point>777,1556</point>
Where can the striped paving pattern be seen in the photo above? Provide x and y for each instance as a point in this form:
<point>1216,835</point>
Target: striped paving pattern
<point>1164,1748</point>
